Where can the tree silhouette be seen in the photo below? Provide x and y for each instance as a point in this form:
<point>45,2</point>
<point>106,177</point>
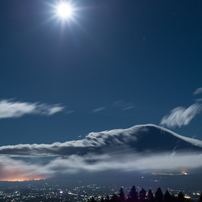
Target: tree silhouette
<point>107,198</point>
<point>115,198</point>
<point>133,196</point>
<point>121,195</point>
<point>167,197</point>
<point>173,198</point>
<point>150,194</point>
<point>200,199</point>
<point>180,197</point>
<point>92,200</point>
<point>142,194</point>
<point>159,195</point>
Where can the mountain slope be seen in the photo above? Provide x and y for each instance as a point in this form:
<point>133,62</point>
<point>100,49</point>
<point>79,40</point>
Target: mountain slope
<point>140,138</point>
<point>149,138</point>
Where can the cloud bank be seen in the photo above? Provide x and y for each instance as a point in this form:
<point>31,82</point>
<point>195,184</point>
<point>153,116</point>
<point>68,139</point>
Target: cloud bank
<point>12,169</point>
<point>181,116</point>
<point>11,109</point>
<point>132,149</point>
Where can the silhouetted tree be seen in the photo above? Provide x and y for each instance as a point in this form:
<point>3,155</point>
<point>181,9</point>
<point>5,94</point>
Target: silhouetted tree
<point>102,200</point>
<point>121,195</point>
<point>92,200</point>
<point>167,197</point>
<point>180,197</point>
<point>115,198</point>
<point>150,196</point>
<point>133,196</point>
<point>142,194</point>
<point>200,199</point>
<point>173,198</point>
<point>107,198</point>
<point>159,195</point>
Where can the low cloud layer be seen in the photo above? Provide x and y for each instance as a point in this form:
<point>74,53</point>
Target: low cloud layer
<point>181,116</point>
<point>132,149</point>
<point>12,169</point>
<point>12,109</point>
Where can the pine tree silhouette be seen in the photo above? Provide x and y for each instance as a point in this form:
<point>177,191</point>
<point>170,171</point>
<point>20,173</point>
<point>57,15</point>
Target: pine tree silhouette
<point>173,198</point>
<point>142,194</point>
<point>150,196</point>
<point>180,197</point>
<point>200,199</point>
<point>121,195</point>
<point>92,200</point>
<point>159,195</point>
<point>133,196</point>
<point>107,198</point>
<point>167,197</point>
<point>115,198</point>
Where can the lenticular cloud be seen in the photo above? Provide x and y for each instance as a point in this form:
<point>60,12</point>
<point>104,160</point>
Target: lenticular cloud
<point>139,148</point>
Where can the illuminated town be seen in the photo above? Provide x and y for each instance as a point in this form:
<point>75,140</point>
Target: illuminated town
<point>44,190</point>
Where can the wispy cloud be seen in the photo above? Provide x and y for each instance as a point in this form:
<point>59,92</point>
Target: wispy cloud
<point>123,105</point>
<point>181,116</point>
<point>199,100</point>
<point>98,109</point>
<point>127,108</point>
<point>16,109</point>
<point>69,111</point>
<point>198,91</point>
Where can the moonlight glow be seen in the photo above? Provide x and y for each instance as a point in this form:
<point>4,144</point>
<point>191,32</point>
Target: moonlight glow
<point>65,13</point>
<point>64,10</point>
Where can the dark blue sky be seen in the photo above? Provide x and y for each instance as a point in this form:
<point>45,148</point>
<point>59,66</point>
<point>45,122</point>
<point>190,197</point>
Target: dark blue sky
<point>125,63</point>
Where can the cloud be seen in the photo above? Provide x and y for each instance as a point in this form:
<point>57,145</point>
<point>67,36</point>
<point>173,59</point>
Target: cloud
<point>123,105</point>
<point>198,91</point>
<point>181,116</point>
<point>11,109</point>
<point>126,162</point>
<point>127,108</point>
<point>98,109</point>
<point>199,100</point>
<point>139,148</point>
<point>12,169</point>
<point>140,138</point>
<point>69,111</point>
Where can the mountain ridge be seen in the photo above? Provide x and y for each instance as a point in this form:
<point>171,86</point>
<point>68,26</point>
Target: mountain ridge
<point>139,138</point>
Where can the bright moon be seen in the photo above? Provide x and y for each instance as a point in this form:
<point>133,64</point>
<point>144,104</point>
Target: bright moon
<point>64,10</point>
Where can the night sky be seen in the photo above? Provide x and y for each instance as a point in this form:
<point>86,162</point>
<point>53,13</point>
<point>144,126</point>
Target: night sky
<point>112,64</point>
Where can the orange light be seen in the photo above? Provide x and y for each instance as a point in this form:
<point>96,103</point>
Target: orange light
<point>22,179</point>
